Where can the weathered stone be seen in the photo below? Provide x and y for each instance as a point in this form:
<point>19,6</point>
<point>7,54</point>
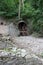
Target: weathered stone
<point>33,61</point>
<point>4,30</point>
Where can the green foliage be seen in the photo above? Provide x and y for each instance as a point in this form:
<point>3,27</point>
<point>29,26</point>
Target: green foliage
<point>9,7</point>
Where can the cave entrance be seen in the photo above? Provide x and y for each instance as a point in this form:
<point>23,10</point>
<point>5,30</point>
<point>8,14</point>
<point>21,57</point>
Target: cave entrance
<point>22,26</point>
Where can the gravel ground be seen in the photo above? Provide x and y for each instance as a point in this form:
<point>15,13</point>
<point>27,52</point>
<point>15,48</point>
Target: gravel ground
<point>29,42</point>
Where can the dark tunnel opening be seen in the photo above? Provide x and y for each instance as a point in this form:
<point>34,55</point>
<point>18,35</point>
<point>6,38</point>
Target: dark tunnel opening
<point>22,26</point>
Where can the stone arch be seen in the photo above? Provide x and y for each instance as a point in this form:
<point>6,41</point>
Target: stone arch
<point>22,26</point>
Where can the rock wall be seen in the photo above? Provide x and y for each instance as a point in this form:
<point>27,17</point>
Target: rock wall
<point>13,30</point>
<point>10,29</point>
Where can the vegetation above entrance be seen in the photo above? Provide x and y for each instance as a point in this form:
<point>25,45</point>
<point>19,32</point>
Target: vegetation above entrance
<point>31,11</point>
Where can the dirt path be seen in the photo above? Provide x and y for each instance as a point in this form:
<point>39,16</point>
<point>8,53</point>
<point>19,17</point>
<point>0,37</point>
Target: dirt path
<point>35,44</point>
